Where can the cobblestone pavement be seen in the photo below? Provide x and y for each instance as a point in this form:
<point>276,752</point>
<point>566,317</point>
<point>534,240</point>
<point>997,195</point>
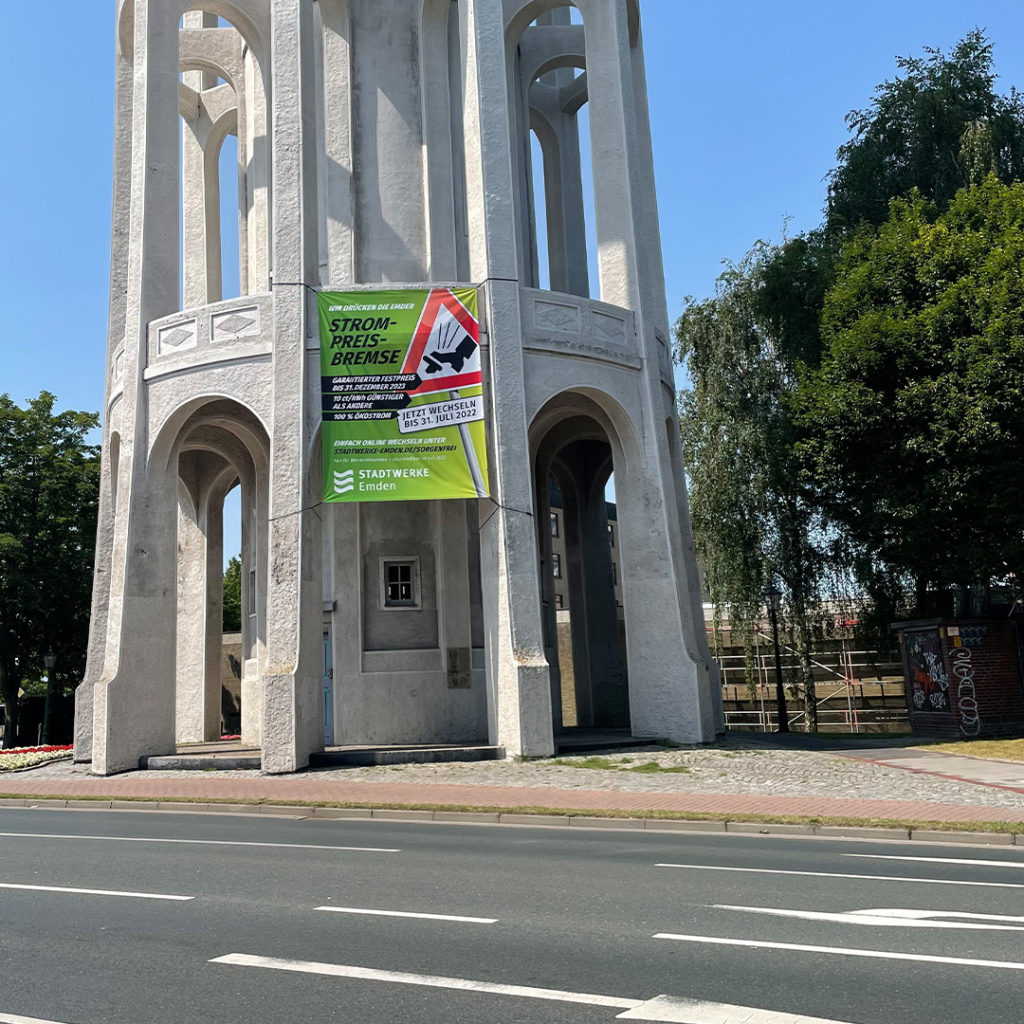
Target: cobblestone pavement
<point>730,770</point>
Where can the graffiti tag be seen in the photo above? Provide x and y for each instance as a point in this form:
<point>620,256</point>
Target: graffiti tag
<point>967,700</point>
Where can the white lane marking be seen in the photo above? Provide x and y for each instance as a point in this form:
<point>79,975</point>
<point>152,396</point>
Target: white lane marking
<point>426,980</point>
<point>943,860</point>
<point>699,1011</point>
<point>97,892</point>
<point>661,1008</point>
<point>836,874</point>
<point>13,1018</point>
<point>876,954</point>
<point>890,912</point>
<point>200,842</point>
<point>883,918</point>
<point>409,913</point>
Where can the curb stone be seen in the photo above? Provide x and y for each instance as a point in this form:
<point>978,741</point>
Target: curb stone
<point>928,835</point>
<point>593,821</point>
<point>758,828</point>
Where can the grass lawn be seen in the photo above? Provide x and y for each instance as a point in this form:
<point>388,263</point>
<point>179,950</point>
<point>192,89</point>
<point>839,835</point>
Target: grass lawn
<point>1000,750</point>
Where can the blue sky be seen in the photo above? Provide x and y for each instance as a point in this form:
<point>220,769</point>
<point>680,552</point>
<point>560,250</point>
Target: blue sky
<point>747,107</point>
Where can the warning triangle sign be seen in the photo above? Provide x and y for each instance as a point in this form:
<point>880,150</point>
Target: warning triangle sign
<point>445,351</point>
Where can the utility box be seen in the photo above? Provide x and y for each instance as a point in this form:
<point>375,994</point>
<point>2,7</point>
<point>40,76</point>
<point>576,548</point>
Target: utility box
<point>963,677</point>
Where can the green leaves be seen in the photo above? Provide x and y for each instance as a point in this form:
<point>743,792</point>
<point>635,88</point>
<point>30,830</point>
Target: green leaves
<point>913,425</point>
<point>233,595</point>
<point>49,481</point>
<point>938,126</point>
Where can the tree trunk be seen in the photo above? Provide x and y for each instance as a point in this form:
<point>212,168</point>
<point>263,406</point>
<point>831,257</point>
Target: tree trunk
<point>9,684</point>
<point>920,596</point>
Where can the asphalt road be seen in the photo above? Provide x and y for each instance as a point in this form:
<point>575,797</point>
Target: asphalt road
<point>517,924</point>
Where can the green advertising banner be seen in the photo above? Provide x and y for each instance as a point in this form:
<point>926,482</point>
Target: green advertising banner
<point>403,407</point>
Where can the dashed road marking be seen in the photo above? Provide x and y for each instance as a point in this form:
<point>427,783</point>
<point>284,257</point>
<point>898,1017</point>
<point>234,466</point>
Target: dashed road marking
<point>426,980</point>
<point>201,842</point>
<point>661,1008</point>
<point>836,874</point>
<point>875,954</point>
<point>409,913</point>
<point>942,860</point>
<point>97,892</point>
<point>893,918</point>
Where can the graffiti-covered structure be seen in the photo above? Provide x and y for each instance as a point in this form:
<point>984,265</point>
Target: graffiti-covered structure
<point>963,677</point>
<point>384,144</point>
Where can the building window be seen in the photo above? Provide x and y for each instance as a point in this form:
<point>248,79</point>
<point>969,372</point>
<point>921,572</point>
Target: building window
<point>556,565</point>
<point>559,601</point>
<point>554,524</point>
<point>615,575</point>
<point>611,535</point>
<point>252,592</point>
<point>400,583</point>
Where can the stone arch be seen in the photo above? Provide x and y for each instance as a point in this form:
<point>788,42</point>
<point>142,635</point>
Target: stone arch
<point>207,445</point>
<point>545,100</point>
<point>575,445</point>
<point>250,17</point>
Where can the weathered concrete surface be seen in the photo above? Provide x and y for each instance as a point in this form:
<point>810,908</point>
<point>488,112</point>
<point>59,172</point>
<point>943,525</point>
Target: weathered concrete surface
<point>379,142</point>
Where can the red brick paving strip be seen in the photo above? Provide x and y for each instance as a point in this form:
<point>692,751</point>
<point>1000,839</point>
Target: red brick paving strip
<point>306,789</point>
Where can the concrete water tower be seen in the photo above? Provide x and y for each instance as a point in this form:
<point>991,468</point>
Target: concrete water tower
<point>384,143</point>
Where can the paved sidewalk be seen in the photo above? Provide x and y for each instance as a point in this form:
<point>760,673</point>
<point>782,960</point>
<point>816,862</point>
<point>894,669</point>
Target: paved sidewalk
<point>961,768</point>
<point>311,788</point>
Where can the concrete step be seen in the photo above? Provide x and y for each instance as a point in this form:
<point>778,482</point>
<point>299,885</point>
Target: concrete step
<point>369,756</point>
<point>578,741</point>
<point>199,762</point>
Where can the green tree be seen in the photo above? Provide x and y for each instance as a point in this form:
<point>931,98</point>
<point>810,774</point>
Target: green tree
<point>233,595</point>
<point>914,423</point>
<point>49,482</point>
<point>937,127</point>
<point>755,521</point>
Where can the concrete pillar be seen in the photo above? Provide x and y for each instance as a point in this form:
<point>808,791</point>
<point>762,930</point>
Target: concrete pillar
<point>118,294</point>
<point>133,712</point>
<point>629,272</point>
<point>200,233</point>
<point>387,143</point>
<point>257,249</point>
<point>337,216</point>
<point>292,720</point>
<point>517,671</point>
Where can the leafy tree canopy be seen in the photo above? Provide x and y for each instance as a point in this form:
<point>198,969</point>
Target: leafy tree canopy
<point>937,127</point>
<point>233,595</point>
<point>49,481</point>
<point>915,420</point>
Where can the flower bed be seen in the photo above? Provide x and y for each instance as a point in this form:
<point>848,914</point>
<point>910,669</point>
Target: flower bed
<point>28,757</point>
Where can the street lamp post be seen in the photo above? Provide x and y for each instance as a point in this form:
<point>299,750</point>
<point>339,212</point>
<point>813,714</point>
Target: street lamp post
<point>773,597</point>
<point>49,660</point>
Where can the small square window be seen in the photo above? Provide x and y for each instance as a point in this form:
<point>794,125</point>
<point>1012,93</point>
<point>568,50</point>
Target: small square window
<point>556,565</point>
<point>399,583</point>
<point>559,601</point>
<point>554,524</point>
